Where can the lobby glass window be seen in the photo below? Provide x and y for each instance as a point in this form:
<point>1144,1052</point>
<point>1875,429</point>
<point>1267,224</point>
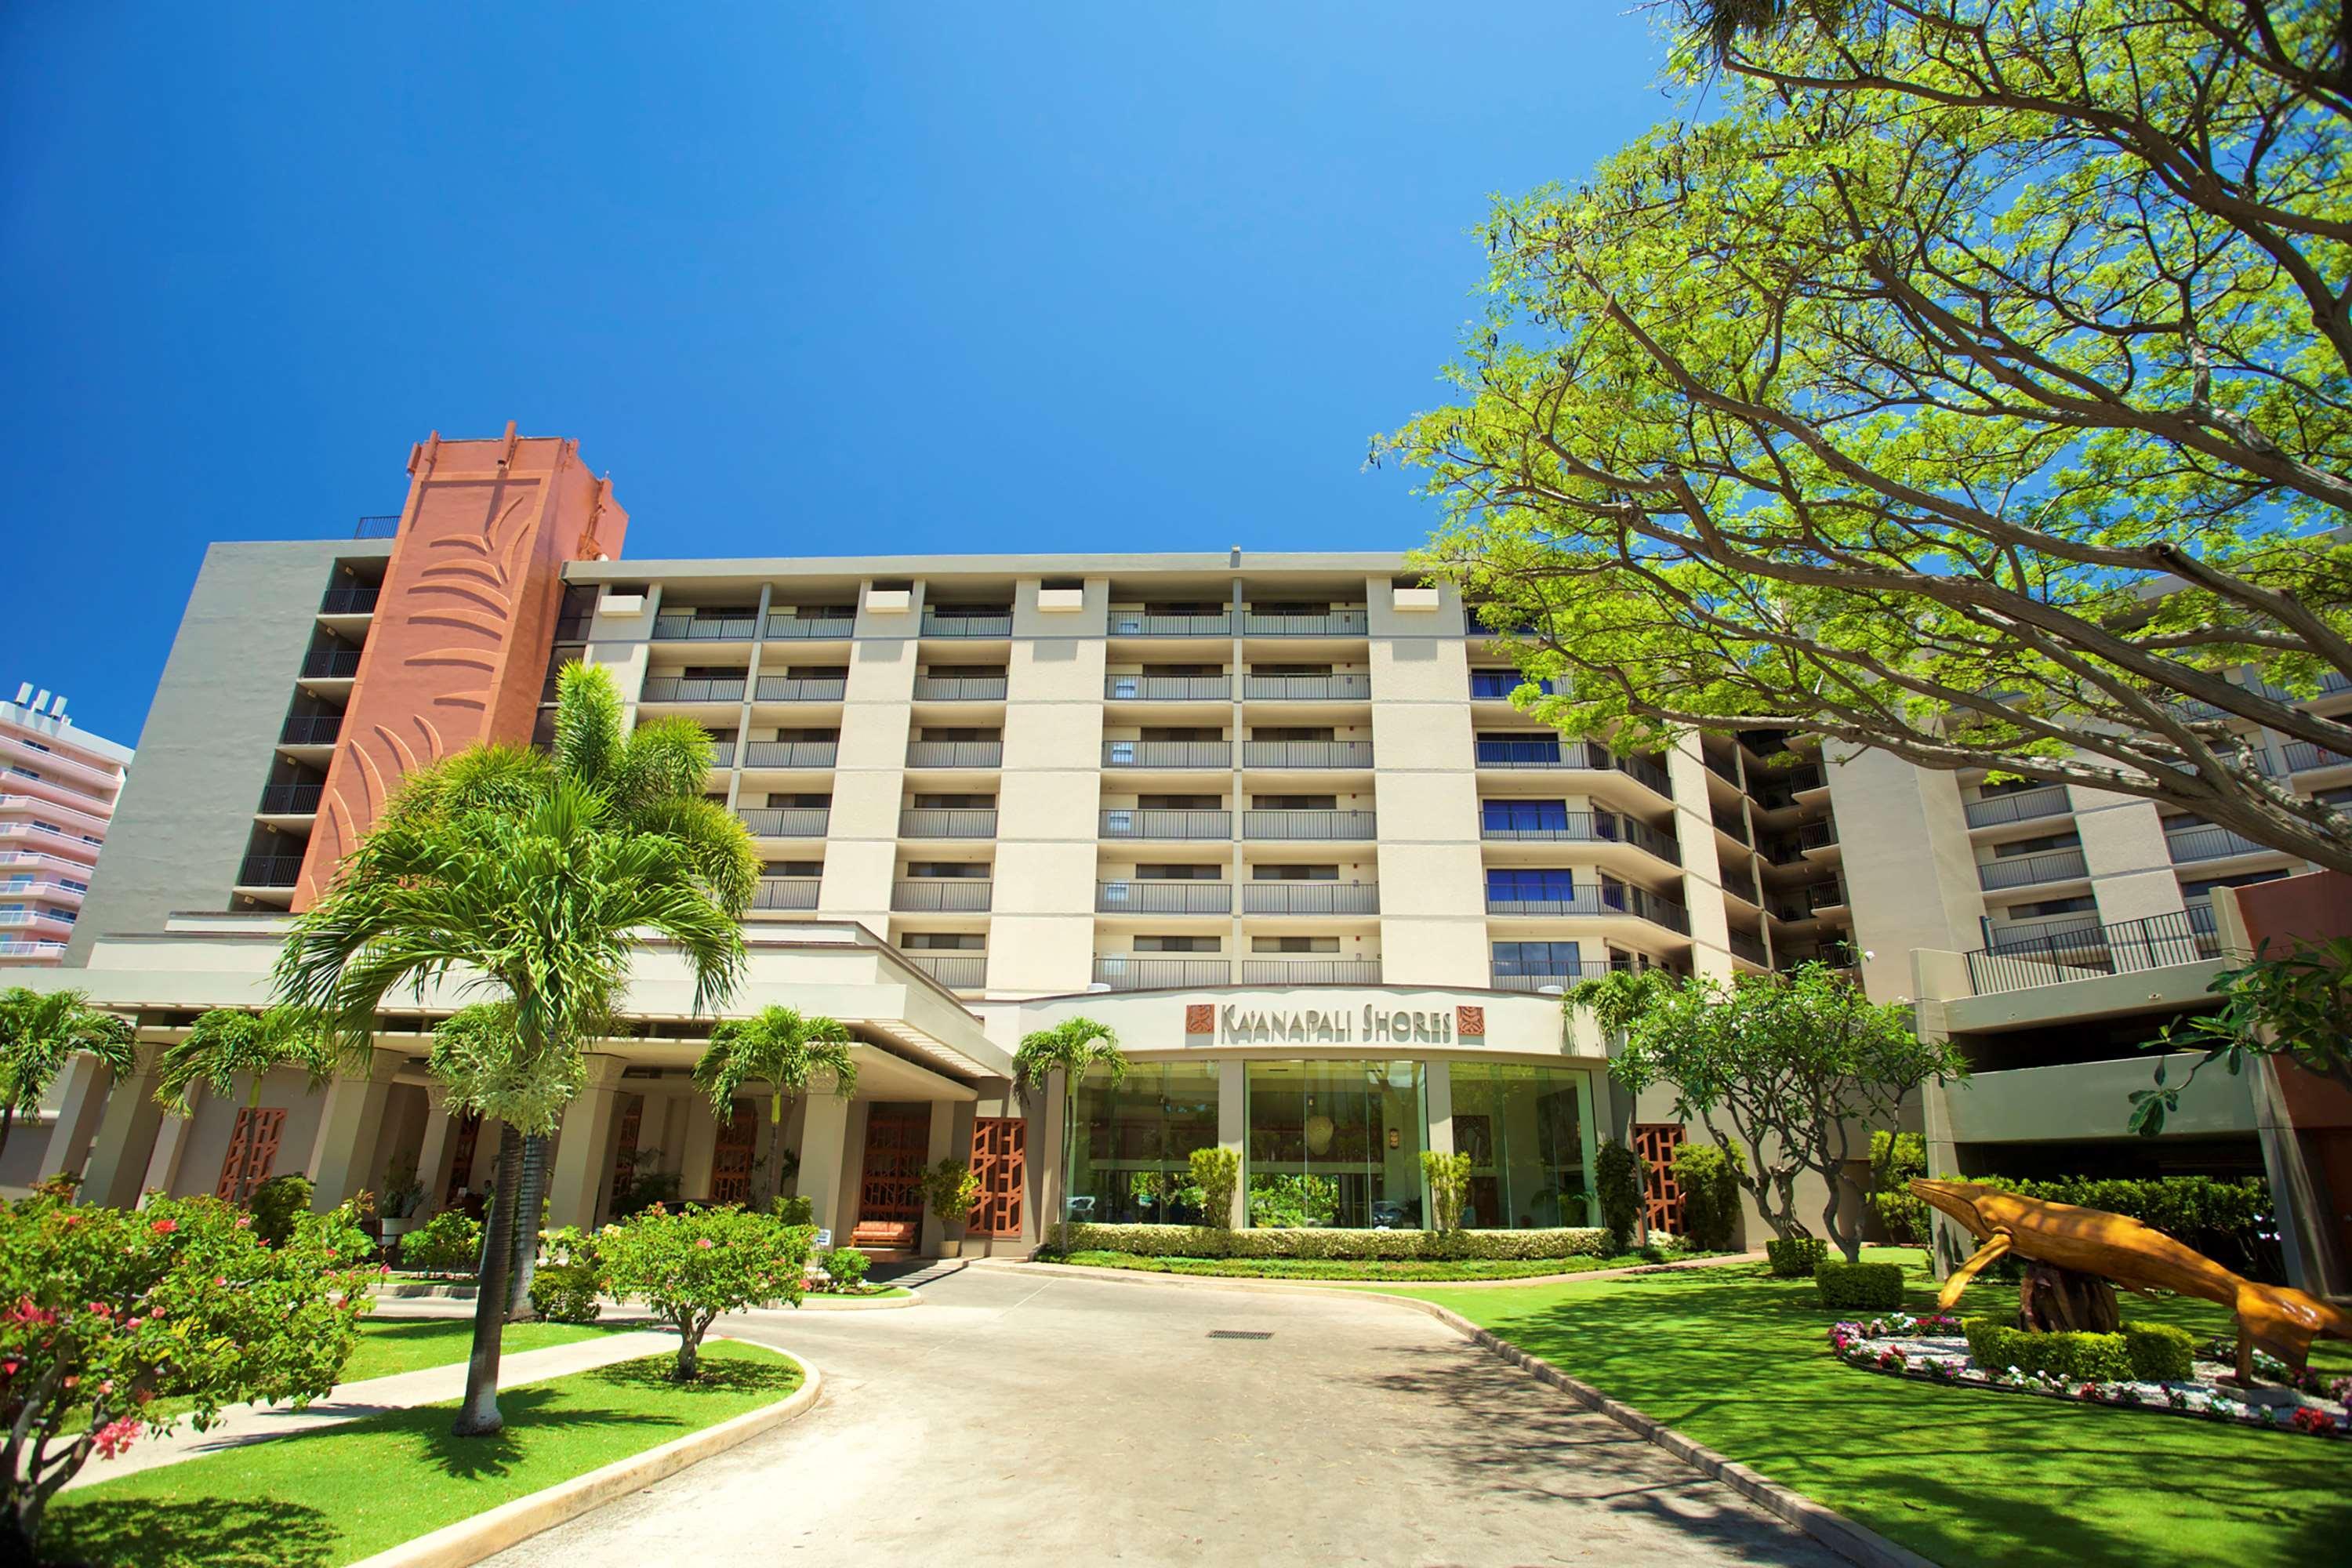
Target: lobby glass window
<point>1556,958</point>
<point>1129,1162</point>
<point>1336,1143</point>
<point>1523,816</point>
<point>1529,1133</point>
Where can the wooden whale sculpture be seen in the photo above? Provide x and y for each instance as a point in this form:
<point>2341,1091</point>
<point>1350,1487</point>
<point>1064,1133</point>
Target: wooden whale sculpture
<point>2102,1246</point>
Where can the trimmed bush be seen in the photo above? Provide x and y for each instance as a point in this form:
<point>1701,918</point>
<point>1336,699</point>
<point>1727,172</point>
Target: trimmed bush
<point>1617,1183</point>
<point>2088,1358</point>
<point>1710,1188</point>
<point>1895,1159</point>
<point>1859,1287</point>
<point>691,1269</point>
<point>1448,1176</point>
<point>846,1267</point>
<point>795,1211</point>
<point>2160,1353</point>
<point>563,1287</point>
<point>1216,1171</point>
<point>1208,1241</point>
<point>2227,1221</point>
<point>1794,1256</point>
<point>448,1243</point>
<point>274,1203</point>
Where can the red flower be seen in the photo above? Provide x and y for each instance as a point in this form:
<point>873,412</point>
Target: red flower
<point>706,1242</point>
<point>116,1435</point>
<point>164,1226</point>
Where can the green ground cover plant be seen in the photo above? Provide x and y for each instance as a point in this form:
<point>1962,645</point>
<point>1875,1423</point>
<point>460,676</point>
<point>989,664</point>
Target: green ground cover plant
<point>311,1501</point>
<point>1319,1242</point>
<point>1365,1268</point>
<point>1739,1362</point>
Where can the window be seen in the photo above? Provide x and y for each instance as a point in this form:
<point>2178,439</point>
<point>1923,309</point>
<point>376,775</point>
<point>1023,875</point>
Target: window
<point>1178,873</point>
<point>1557,959</point>
<point>943,941</point>
<point>2194,891</point>
<point>786,797</point>
<point>1519,748</point>
<point>1290,732</point>
<point>1524,815</point>
<point>792,868</point>
<point>951,870</point>
<point>1529,1133</point>
<point>1294,944</point>
<point>1130,1157</point>
<point>1531,884</point>
<point>1295,873</point>
<point>2036,846</point>
<point>955,803</point>
<point>1294,802</point>
<point>1334,1143</point>
<point>1179,944</point>
<point>2050,907</point>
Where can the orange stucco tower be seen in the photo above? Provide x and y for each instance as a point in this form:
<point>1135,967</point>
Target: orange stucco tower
<point>463,628</point>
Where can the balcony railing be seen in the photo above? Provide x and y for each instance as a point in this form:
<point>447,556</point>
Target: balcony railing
<point>955,895</point>
<point>1307,688</point>
<point>1333,624</point>
<point>1310,972</point>
<point>1287,898</point>
<point>1135,623</point>
<point>785,821</point>
<point>2024,870</point>
<point>377,527</point>
<point>1544,752</point>
<point>1164,897</point>
<point>1589,828</point>
<point>1741,883</point>
<point>811,628</point>
<point>330,664</point>
<point>691,688</point>
<point>1748,947</point>
<point>955,753</point>
<point>722,754</point>
<point>572,628</point>
<point>1168,753</point>
<point>1829,895</point>
<point>790,754</point>
<point>1162,823</point>
<point>1598,900</point>
<point>1121,972</point>
<point>787,893</point>
<point>706,628</point>
<point>40,950</point>
<point>956,971</point>
<point>947,822</point>
<point>269,871</point>
<point>960,688</point>
<point>801,688</point>
<point>290,799</point>
<point>2019,806</point>
<point>1309,823</point>
<point>937,623</point>
<point>1562,979</point>
<point>2304,756</point>
<point>2210,844</point>
<point>1306,754</point>
<point>1167,688</point>
<point>1733,824</point>
<point>355,601</point>
<point>1817,835</point>
<point>2159,942</point>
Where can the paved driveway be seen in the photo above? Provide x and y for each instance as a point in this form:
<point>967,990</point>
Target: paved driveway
<point>1053,1422</point>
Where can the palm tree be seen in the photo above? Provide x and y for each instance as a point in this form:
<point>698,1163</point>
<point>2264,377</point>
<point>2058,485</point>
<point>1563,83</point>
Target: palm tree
<point>1073,1048</point>
<point>39,1032</point>
<point>784,1049</point>
<point>229,1043</point>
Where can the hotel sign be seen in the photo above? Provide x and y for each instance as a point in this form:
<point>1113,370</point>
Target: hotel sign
<point>1374,1022</point>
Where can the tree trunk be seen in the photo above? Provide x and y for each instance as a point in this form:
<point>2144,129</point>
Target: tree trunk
<point>689,1357</point>
<point>7,1123</point>
<point>477,1415</point>
<point>1848,1243</point>
<point>531,1199</point>
<point>775,1150</point>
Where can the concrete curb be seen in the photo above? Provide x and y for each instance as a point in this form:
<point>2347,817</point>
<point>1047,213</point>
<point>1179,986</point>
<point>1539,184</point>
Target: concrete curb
<point>470,1539</point>
<point>420,1290</point>
<point>815,1301</point>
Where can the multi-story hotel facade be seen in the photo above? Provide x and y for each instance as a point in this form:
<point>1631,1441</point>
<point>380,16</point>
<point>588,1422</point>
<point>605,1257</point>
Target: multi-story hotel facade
<point>59,784</point>
<point>1271,818</point>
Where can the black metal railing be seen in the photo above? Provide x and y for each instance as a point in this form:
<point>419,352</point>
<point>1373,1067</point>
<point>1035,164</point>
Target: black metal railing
<point>2018,805</point>
<point>691,688</point>
<point>1341,754</point>
<point>330,663</point>
<point>1817,835</point>
<point>290,799</point>
<point>2024,870</point>
<point>2209,843</point>
<point>1167,754</point>
<point>956,971</point>
<point>706,628</point>
<point>1597,900</point>
<point>311,730</point>
<point>2159,942</point>
<point>2303,756</point>
<point>1589,828</point>
<point>1561,978</point>
<point>1283,897</point>
<point>1155,897</point>
<point>1735,824</point>
<point>785,821</point>
<point>960,688</point>
<point>1136,624</point>
<point>722,754</point>
<point>800,688</point>
<point>1748,947</point>
<point>1307,688</point>
<point>955,753</point>
<point>943,623</point>
<point>353,601</point>
<point>269,871</point>
<point>790,754</point>
<point>1342,623</point>
<point>1167,689</point>
<point>810,628</point>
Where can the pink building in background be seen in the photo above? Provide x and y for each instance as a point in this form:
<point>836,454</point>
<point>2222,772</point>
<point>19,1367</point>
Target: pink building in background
<point>57,790</point>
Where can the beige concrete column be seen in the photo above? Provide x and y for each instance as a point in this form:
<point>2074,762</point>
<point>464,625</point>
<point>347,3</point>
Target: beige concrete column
<point>438,1148</point>
<point>126,1136</point>
<point>942,1144</point>
<point>171,1142</point>
<point>350,1124</point>
<point>697,1149</point>
<point>81,1100</point>
<point>583,1150</point>
<point>824,1138</point>
<point>1232,1132</point>
<point>1438,1091</point>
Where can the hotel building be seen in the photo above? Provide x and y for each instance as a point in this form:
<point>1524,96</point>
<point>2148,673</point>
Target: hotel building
<point>1272,817</point>
<point>57,798</point>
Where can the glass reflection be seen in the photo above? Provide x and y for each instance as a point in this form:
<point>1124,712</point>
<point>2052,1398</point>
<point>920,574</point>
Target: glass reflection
<point>1529,1133</point>
<point>1336,1143</point>
<point>1129,1162</point>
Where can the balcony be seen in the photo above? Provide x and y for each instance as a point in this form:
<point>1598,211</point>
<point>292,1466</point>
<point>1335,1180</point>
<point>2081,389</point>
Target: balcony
<point>706,628</point>
<point>572,628</point>
<point>947,623</point>
<point>1310,972</point>
<point>1136,624</point>
<point>330,664</point>
<point>1557,980</point>
<point>956,971</point>
<point>722,754</point>
<point>1289,897</point>
<point>1733,825</point>
<point>1164,823</point>
<point>1307,755</point>
<point>785,821</point>
<point>955,753</point>
<point>942,894</point>
<point>2019,806</point>
<point>1817,835</point>
<point>1307,688</point>
<point>355,601</point>
<point>1600,900</point>
<point>24,920</point>
<point>1588,828</point>
<point>960,688</point>
<point>46,807</point>
<point>947,822</point>
<point>791,753</point>
<point>2188,844</point>
<point>1748,947</point>
<point>1309,823</point>
<point>2156,942</point>
<point>691,688</point>
<point>800,688</point>
<point>1155,897</point>
<point>1348,623</point>
<point>37,952</point>
<point>2306,756</point>
<point>377,527</point>
<point>1172,755</point>
<point>1829,895</point>
<point>269,871</point>
<point>1122,972</point>
<point>290,799</point>
<point>2025,870</point>
<point>1741,883</point>
<point>810,628</point>
<point>785,893</point>
<point>1167,689</point>
<point>1546,751</point>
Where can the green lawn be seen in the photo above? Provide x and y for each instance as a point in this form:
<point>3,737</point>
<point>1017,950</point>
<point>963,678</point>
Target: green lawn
<point>1741,1363</point>
<point>352,1491</point>
<point>389,1346</point>
<point>1357,1269</point>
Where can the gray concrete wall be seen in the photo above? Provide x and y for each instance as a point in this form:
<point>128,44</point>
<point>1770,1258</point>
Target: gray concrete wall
<point>211,735</point>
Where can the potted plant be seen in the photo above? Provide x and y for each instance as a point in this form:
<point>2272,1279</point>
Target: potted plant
<point>397,1205</point>
<point>951,1187</point>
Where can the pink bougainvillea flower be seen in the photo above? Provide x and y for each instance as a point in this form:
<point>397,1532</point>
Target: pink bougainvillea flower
<point>706,1243</point>
<point>116,1435</point>
<point>99,1309</point>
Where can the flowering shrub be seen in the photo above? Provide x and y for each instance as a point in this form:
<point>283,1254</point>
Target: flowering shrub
<point>448,1243</point>
<point>563,1287</point>
<point>111,1310</point>
<point>689,1267</point>
<point>2318,1423</point>
<point>846,1267</point>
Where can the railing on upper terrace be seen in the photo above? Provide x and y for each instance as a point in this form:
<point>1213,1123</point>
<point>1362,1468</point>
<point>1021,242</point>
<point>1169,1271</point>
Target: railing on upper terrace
<point>2158,941</point>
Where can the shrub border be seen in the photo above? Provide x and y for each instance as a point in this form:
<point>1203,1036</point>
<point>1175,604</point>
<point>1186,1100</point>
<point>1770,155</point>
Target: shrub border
<point>1341,1245</point>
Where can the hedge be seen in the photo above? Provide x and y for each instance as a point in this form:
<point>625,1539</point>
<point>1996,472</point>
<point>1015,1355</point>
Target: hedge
<point>2160,1353</point>
<point>1205,1241</point>
<point>2226,1220</point>
<point>1794,1256</point>
<point>2091,1358</point>
<point>1859,1287</point>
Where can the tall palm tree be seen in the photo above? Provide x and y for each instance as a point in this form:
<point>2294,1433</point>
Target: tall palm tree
<point>229,1043</point>
<point>40,1031</point>
<point>1073,1048</point>
<point>784,1048</point>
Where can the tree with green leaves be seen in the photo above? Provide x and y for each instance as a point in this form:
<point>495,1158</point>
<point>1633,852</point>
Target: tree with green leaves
<point>785,1049</point>
<point>1782,1071</point>
<point>2289,1004</point>
<point>1073,1048</point>
<point>40,1032</point>
<point>229,1043</point>
<point>1972,382</point>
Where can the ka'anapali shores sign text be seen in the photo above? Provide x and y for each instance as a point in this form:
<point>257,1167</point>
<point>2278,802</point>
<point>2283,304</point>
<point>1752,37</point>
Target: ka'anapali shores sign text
<point>1372,1023</point>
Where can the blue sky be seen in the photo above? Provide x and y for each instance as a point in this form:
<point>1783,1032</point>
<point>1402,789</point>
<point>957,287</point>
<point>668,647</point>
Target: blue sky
<point>882,277</point>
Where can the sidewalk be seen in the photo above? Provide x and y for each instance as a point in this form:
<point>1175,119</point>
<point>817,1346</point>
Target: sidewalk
<point>1261,1282</point>
<point>243,1423</point>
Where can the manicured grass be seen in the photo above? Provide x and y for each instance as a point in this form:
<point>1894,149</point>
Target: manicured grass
<point>352,1491</point>
<point>1740,1362</point>
<point>389,1346</point>
<point>1357,1269</point>
<point>871,1293</point>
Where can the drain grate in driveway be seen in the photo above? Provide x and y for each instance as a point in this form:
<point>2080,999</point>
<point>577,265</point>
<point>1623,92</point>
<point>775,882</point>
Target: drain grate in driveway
<point>1241,1334</point>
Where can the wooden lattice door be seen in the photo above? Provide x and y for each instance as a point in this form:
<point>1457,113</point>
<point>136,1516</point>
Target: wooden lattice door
<point>624,1156</point>
<point>730,1164</point>
<point>1000,1158</point>
<point>252,1151</point>
<point>461,1160</point>
<point>1662,1200</point>
<point>890,1193</point>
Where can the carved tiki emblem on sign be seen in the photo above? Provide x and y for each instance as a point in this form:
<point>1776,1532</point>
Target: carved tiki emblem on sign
<point>1200,1018</point>
<point>1470,1023</point>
